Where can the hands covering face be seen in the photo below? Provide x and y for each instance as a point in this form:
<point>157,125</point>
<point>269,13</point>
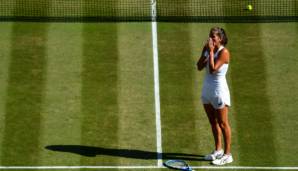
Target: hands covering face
<point>210,44</point>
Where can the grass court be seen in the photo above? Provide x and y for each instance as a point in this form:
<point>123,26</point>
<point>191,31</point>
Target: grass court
<point>82,94</point>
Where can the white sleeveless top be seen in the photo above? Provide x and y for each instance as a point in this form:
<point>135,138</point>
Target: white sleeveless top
<point>216,84</point>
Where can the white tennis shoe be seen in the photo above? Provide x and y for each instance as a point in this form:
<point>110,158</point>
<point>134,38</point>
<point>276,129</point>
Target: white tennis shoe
<point>214,155</point>
<point>225,159</point>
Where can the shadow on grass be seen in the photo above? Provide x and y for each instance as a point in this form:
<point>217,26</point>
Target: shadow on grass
<point>89,151</point>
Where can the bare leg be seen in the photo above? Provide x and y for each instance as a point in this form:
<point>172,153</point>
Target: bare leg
<point>216,130</point>
<point>222,115</point>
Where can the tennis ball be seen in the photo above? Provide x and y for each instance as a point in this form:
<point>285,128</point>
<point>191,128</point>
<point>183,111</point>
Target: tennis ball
<point>249,7</point>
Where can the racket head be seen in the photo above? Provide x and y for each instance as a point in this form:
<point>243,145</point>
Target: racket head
<point>177,164</point>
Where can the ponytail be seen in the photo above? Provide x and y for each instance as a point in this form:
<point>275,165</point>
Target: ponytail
<point>224,38</point>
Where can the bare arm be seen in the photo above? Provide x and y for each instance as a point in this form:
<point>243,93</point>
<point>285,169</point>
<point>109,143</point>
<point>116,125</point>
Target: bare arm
<point>203,60</point>
<point>222,59</point>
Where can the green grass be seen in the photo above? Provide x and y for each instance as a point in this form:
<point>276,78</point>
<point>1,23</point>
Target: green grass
<point>255,108</point>
<point>23,105</point>
<point>88,78</point>
<point>83,93</point>
<point>281,87</point>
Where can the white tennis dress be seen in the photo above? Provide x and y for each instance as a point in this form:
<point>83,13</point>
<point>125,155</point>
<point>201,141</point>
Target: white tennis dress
<point>215,89</point>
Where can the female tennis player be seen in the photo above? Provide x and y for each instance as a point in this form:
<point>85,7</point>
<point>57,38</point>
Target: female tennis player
<point>215,96</point>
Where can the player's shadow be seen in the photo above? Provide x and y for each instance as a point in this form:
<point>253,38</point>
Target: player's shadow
<point>127,153</point>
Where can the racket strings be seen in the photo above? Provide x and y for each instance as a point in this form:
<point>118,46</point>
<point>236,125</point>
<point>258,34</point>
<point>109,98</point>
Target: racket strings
<point>177,164</point>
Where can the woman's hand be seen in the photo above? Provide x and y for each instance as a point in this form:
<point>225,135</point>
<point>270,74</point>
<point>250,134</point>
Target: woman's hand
<point>211,45</point>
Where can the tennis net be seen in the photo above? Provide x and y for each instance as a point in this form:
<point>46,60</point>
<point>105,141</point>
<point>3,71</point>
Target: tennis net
<point>149,10</point>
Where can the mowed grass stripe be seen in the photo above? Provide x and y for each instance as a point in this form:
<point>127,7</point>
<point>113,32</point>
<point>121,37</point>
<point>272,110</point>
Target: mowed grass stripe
<point>280,51</point>
<point>5,43</point>
<point>99,92</point>
<point>4,69</point>
<point>178,113</point>
<point>25,94</point>
<point>61,116</point>
<point>136,117</point>
<point>252,109</point>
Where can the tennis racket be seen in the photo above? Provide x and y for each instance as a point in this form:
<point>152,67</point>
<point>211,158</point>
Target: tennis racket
<point>177,164</point>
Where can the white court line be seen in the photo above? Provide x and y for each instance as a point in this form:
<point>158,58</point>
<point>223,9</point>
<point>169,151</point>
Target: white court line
<point>244,168</point>
<point>156,84</point>
<point>143,167</point>
<point>75,167</point>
